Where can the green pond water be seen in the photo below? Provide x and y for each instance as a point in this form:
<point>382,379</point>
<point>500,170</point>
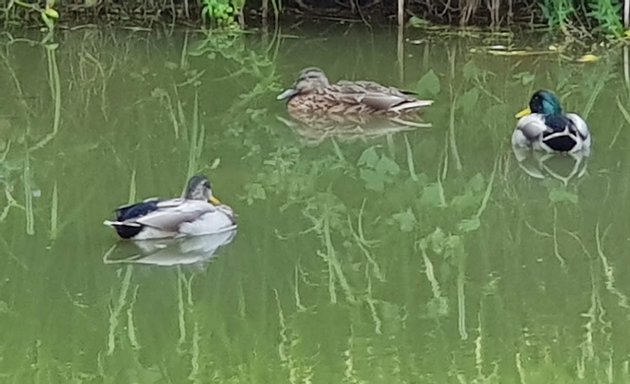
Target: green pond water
<point>430,255</point>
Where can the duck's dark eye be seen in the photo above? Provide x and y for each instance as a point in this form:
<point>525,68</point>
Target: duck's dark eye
<point>206,184</point>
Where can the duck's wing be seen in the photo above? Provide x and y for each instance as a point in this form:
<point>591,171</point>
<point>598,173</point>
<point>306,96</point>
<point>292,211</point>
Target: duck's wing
<point>375,96</point>
<point>579,124</point>
<point>128,211</point>
<point>531,127</point>
<point>171,214</point>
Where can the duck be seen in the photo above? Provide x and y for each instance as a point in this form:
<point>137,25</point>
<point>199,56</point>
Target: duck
<point>545,127</point>
<point>197,212</point>
<point>313,94</point>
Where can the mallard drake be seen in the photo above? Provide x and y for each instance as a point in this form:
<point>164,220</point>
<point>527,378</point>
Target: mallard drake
<point>313,94</point>
<point>196,213</point>
<point>544,126</point>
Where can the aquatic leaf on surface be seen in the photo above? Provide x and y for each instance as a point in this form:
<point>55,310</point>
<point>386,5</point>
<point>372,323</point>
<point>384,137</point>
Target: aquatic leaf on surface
<point>387,166</point>
<point>469,225</point>
<point>471,70</point>
<point>369,157</point>
<point>373,180</point>
<point>406,220</point>
<point>559,195</point>
<point>468,100</point>
<point>432,195</point>
<point>429,83</point>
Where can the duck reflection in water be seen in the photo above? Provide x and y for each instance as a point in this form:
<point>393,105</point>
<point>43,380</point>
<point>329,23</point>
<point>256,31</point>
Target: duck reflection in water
<point>314,132</point>
<point>194,251</point>
<point>563,167</point>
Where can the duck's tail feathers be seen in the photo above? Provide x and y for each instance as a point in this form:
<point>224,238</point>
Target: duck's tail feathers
<point>125,230</point>
<point>411,105</point>
<point>116,224</point>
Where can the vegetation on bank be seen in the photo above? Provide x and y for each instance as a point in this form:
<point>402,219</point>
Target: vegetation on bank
<point>605,17</point>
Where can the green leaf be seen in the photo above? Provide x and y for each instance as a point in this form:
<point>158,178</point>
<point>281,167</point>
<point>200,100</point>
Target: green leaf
<point>559,195</point>
<point>469,225</point>
<point>373,180</point>
<point>432,195</point>
<point>387,166</point>
<point>369,157</point>
<point>470,70</point>
<point>464,201</point>
<point>406,220</point>
<point>429,84</point>
<point>468,100</point>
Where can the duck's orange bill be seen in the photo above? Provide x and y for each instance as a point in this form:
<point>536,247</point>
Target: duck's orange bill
<point>524,112</point>
<point>214,200</point>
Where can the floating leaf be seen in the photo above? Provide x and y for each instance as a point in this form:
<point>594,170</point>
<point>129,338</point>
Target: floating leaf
<point>432,195</point>
<point>559,195</point>
<point>470,70</point>
<point>387,166</point>
<point>464,201</point>
<point>373,180</point>
<point>469,225</point>
<point>468,100</point>
<point>429,83</point>
<point>369,157</point>
<point>406,220</point>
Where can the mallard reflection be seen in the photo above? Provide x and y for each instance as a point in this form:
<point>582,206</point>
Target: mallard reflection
<point>563,167</point>
<point>197,250</point>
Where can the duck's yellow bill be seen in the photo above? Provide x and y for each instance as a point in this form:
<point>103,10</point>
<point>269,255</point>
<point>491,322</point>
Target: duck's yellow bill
<point>214,200</point>
<point>524,112</point>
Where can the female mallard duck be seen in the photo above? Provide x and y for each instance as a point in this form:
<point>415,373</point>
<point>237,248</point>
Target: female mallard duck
<point>543,126</point>
<point>312,94</point>
<point>197,212</point>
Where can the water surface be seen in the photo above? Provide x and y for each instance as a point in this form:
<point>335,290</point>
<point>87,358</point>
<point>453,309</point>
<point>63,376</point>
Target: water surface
<point>424,256</point>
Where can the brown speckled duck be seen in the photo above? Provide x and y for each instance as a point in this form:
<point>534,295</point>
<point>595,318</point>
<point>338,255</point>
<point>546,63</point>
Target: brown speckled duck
<point>312,94</point>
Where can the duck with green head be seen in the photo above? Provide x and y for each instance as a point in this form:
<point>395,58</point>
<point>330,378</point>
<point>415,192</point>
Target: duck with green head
<point>544,126</point>
<point>313,95</point>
